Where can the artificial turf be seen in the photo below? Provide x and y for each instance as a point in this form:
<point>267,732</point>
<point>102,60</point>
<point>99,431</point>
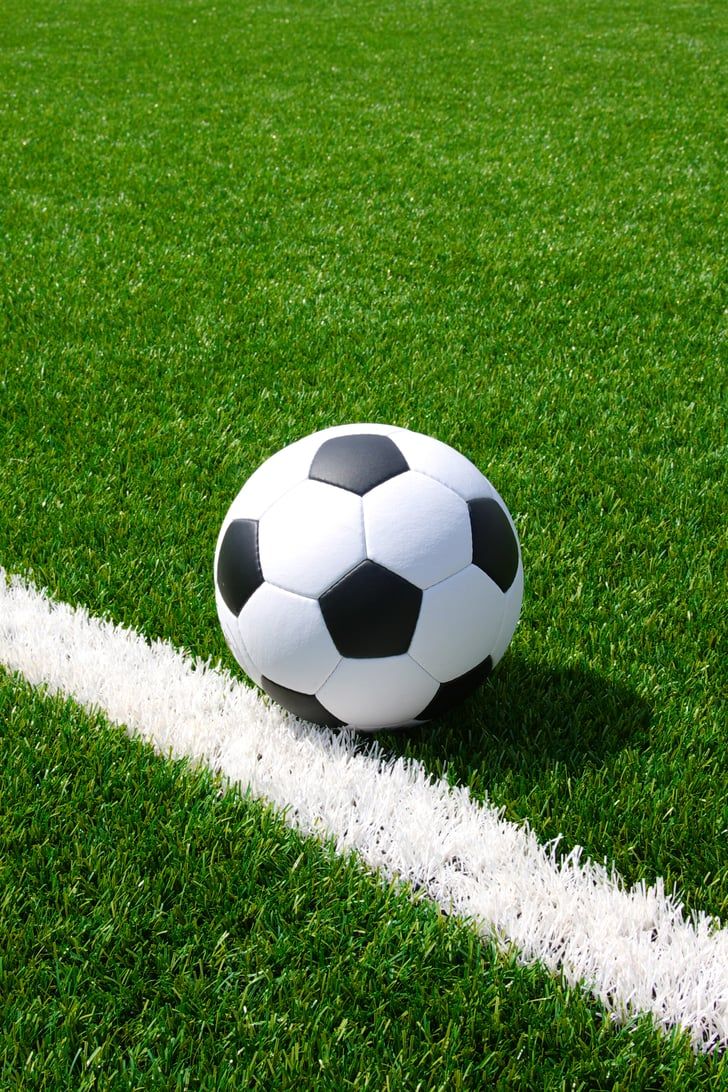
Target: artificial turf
<point>158,933</point>
<point>227,225</point>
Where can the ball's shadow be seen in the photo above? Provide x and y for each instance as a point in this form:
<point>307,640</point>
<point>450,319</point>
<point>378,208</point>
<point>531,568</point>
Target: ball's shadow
<point>525,718</point>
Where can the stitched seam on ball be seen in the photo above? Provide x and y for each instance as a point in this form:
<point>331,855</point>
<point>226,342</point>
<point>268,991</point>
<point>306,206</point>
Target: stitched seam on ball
<point>415,660</point>
<point>292,591</point>
<point>280,496</point>
<point>434,478</point>
<point>450,576</point>
<point>323,684</point>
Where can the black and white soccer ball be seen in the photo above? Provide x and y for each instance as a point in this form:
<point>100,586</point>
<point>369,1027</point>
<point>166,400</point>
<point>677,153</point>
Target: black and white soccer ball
<point>368,576</point>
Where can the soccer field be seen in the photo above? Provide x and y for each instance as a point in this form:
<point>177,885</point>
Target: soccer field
<point>227,225</point>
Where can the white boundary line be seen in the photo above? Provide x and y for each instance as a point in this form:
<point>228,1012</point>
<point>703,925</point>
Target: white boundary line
<point>633,948</point>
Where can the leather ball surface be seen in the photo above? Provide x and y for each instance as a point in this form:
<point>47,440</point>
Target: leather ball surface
<point>368,576</point>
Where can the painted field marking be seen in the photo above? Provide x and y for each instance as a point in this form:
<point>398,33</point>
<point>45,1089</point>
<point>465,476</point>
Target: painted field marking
<point>634,949</point>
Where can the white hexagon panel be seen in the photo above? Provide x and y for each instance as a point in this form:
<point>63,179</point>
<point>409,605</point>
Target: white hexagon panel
<point>513,600</point>
<point>469,608</point>
<point>310,537</point>
<point>229,624</point>
<point>377,693</point>
<point>417,528</point>
<point>286,637</point>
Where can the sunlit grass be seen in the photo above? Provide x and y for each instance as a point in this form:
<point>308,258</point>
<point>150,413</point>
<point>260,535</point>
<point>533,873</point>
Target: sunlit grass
<point>226,226</point>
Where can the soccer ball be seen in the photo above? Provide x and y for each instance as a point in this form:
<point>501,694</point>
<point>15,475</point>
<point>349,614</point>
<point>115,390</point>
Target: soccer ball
<point>368,576</point>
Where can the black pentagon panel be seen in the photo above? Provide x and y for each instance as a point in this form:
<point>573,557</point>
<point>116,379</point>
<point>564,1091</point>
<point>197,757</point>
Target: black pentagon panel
<point>453,692</point>
<point>371,612</point>
<point>495,549</point>
<point>357,462</point>
<point>305,706</point>
<point>238,564</point>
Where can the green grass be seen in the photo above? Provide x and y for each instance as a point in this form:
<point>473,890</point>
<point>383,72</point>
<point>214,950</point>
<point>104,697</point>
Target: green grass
<point>228,225</point>
<point>161,934</point>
